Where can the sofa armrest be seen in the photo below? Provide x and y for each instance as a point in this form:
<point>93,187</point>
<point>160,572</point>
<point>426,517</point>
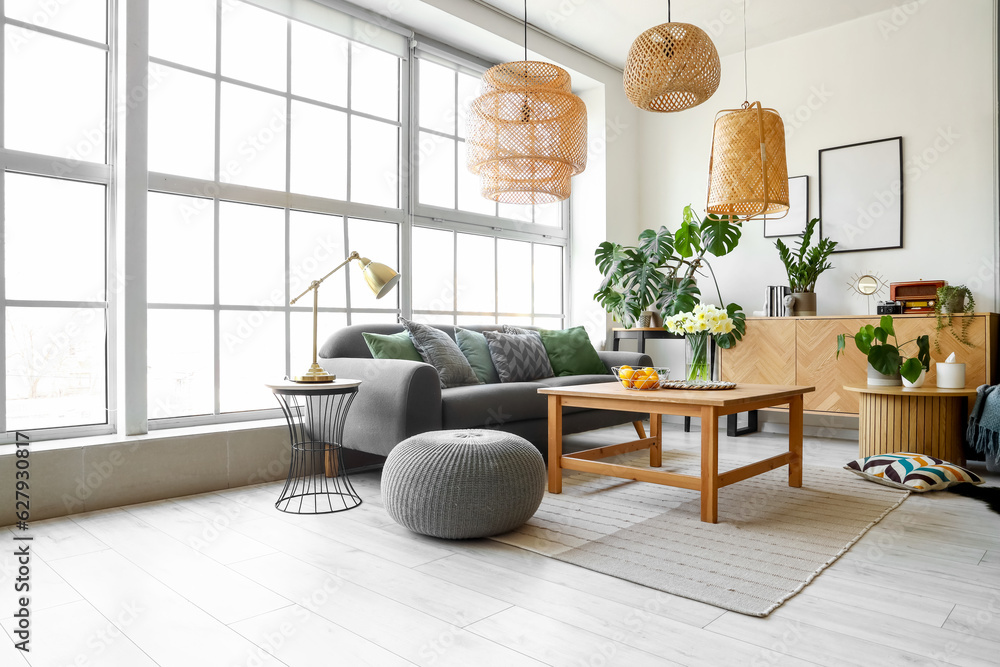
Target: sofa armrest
<point>634,359</point>
<point>396,399</point>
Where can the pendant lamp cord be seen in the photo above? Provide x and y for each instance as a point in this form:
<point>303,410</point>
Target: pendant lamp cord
<point>526,30</point>
<point>746,93</point>
<point>668,12</point>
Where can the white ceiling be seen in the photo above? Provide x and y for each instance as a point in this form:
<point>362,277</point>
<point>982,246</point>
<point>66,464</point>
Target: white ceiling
<point>606,28</point>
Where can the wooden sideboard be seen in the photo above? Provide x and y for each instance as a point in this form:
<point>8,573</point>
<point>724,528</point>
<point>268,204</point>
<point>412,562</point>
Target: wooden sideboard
<point>802,351</point>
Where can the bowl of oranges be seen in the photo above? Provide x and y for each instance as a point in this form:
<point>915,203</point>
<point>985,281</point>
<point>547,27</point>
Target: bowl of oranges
<point>641,379</point>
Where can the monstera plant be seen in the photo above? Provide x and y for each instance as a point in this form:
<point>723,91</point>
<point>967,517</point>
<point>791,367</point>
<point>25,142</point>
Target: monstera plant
<point>660,271</point>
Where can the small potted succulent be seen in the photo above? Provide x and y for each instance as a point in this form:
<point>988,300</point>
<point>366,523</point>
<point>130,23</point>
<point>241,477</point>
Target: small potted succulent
<point>953,300</point>
<point>887,366</point>
<point>803,266</point>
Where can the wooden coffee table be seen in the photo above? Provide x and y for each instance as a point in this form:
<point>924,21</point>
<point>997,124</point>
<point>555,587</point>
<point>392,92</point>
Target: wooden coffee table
<point>708,405</point>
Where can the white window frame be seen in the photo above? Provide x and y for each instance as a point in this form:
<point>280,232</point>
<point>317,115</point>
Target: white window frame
<point>72,170</point>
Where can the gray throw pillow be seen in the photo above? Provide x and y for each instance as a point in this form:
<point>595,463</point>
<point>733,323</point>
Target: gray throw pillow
<point>518,357</point>
<point>511,329</point>
<point>440,351</point>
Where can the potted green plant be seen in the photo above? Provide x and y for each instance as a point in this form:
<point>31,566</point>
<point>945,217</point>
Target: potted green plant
<point>804,266</point>
<point>953,300</point>
<point>886,363</point>
<point>660,271</point>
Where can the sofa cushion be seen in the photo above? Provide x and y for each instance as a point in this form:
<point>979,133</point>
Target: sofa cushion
<point>511,329</point>
<point>475,348</point>
<point>571,353</point>
<point>518,357</point>
<point>573,380</point>
<point>491,404</point>
<point>391,346</point>
<point>441,351</point>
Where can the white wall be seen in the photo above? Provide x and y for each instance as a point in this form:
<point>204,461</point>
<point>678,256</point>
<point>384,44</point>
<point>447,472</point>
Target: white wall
<point>927,76</point>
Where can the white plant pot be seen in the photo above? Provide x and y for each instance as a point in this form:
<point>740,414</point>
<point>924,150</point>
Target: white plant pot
<point>876,379</point>
<point>919,382</point>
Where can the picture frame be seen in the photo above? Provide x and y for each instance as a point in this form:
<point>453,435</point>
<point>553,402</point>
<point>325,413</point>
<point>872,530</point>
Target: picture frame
<point>861,195</point>
<point>794,223</point>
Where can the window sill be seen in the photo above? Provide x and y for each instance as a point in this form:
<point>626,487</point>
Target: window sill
<point>158,434</point>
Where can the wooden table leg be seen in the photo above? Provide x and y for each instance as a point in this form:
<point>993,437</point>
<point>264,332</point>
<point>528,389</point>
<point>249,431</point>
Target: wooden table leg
<point>639,430</point>
<point>709,464</point>
<point>656,449</point>
<point>795,441</point>
<point>555,444</point>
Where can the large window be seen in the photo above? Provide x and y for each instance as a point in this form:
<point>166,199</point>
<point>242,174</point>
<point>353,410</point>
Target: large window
<point>259,105</point>
<point>56,216</point>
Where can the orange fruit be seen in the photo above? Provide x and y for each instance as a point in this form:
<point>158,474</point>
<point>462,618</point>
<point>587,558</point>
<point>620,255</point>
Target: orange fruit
<point>650,380</point>
<point>625,372</point>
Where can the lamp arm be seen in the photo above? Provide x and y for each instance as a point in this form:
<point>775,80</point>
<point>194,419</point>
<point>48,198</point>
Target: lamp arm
<point>316,283</point>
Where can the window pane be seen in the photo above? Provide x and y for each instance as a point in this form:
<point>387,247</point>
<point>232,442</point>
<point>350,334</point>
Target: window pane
<point>433,318</point>
<point>374,163</point>
<point>251,255</point>
<point>83,18</point>
<point>254,45</point>
<point>516,321</point>
<point>466,320</point>
<point>301,342</point>
<point>181,249</point>
<point>468,90</point>
<point>379,241</point>
<point>374,82</point>
<point>548,322</point>
<point>181,123</point>
<point>55,239</point>
<point>433,286</point>
<point>470,195</point>
<point>437,97</point>
<point>251,352</point>
<point>549,215</point>
<point>195,20</point>
<point>548,279</point>
<point>252,141</point>
<point>518,212</point>
<point>376,318</point>
<point>317,246</point>
<point>54,96</point>
<point>56,367</point>
<point>514,278</point>
<point>437,170</point>
<point>319,64</point>
<point>319,151</point>
<point>476,274</point>
<point>181,368</point>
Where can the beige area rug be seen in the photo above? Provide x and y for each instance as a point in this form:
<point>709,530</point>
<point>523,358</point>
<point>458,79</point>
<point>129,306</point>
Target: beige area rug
<point>771,540</point>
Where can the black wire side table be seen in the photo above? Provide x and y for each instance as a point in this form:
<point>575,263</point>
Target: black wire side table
<point>317,479</point>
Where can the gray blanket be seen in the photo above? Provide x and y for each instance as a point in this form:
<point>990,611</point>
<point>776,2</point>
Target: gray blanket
<point>984,422</point>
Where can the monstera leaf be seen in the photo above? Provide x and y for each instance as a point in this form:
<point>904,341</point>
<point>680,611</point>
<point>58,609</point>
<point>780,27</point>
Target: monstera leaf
<point>719,235</point>
<point>687,239</point>
<point>657,246</point>
<point>680,295</point>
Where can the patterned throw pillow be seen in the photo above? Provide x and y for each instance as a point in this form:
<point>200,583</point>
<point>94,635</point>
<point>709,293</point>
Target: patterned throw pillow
<point>518,357</point>
<point>511,329</point>
<point>913,472</point>
<point>440,351</point>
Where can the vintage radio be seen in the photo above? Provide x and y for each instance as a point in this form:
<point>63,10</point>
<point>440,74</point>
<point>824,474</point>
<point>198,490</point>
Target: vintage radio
<point>917,296</point>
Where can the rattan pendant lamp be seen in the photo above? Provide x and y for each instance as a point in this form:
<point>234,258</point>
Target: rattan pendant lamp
<point>527,132</point>
<point>671,67</point>
<point>747,172</point>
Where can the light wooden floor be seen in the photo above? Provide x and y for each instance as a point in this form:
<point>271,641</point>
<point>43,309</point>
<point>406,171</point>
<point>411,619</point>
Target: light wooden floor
<point>223,579</point>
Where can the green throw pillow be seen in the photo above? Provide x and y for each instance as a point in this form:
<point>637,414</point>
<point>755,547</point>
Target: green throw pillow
<point>571,352</point>
<point>475,348</point>
<point>392,346</point>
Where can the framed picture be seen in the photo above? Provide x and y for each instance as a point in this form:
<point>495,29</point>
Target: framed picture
<point>861,195</point>
<point>794,223</point>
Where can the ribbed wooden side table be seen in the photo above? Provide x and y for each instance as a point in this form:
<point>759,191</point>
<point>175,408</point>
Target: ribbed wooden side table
<point>925,420</point>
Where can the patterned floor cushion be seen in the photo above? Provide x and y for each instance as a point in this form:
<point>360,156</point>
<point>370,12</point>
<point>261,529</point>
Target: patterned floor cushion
<point>913,472</point>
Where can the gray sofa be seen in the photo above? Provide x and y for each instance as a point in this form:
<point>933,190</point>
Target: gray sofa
<point>402,398</point>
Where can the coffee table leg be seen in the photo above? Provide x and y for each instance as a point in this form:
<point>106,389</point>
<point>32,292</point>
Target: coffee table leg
<point>709,464</point>
<point>656,449</point>
<point>795,441</point>
<point>639,430</point>
<point>555,444</point>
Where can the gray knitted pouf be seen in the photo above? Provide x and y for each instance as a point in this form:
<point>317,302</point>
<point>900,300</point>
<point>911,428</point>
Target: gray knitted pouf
<point>463,484</point>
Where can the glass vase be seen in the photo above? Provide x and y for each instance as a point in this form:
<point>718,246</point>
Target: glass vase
<point>699,358</point>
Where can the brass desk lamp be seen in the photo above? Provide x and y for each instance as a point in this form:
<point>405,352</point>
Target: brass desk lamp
<point>380,278</point>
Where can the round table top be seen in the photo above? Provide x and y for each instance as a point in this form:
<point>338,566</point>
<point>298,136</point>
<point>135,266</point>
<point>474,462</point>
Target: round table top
<point>319,387</point>
<point>968,392</point>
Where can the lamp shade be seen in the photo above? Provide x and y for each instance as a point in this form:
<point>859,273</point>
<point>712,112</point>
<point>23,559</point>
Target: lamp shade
<point>527,133</point>
<point>747,172</point>
<point>380,278</point>
<point>671,67</point>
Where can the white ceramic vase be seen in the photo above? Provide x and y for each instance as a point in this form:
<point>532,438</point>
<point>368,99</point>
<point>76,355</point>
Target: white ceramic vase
<point>919,382</point>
